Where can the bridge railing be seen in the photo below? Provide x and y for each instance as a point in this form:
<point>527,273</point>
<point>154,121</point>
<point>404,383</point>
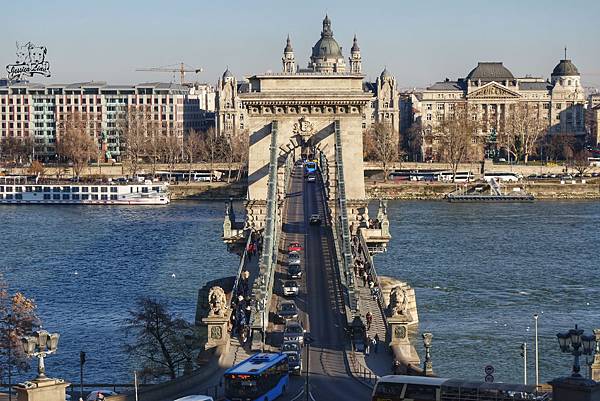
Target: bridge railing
<point>343,225</point>
<point>263,287</point>
<point>365,253</point>
<point>234,291</point>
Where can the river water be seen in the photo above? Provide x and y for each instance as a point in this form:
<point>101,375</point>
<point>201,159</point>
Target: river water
<point>480,271</point>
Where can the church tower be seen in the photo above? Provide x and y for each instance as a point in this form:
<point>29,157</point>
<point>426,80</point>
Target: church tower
<point>227,103</point>
<point>326,53</point>
<point>355,60</point>
<point>386,105</point>
<point>289,62</point>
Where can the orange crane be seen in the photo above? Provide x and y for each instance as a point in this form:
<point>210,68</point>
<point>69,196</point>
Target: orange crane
<point>182,69</point>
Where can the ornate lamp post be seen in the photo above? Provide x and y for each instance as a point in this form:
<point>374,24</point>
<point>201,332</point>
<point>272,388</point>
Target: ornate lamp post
<point>577,344</point>
<point>40,345</point>
<point>595,367</point>
<point>427,365</point>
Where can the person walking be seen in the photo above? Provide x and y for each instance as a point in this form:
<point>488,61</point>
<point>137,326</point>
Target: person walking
<point>368,345</point>
<point>364,277</point>
<point>369,317</point>
<point>376,342</point>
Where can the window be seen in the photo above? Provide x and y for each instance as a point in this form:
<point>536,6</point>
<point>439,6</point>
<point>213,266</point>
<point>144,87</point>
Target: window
<point>440,106</point>
<point>75,196</point>
<point>429,106</point>
<point>66,196</point>
<point>103,189</point>
<point>429,118</point>
<point>85,197</point>
<point>420,392</point>
<point>75,189</point>
<point>113,197</point>
<point>104,197</point>
<point>94,197</point>
<point>18,196</point>
<point>56,196</point>
<point>46,196</point>
<point>558,106</point>
<point>94,189</point>
<point>113,189</point>
<point>84,189</point>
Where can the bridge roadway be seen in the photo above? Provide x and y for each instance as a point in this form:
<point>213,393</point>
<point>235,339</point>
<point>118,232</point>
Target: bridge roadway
<point>320,299</point>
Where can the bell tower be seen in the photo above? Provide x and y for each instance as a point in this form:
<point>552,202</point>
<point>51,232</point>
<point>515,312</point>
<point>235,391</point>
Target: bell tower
<point>355,60</point>
<point>288,59</point>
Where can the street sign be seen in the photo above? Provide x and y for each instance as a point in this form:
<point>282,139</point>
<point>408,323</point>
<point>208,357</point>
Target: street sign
<point>489,379</point>
<point>489,370</point>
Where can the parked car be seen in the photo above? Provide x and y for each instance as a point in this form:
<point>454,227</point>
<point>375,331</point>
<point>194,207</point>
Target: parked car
<point>294,272</point>
<point>100,395</point>
<point>290,288</point>
<point>195,398</point>
<point>294,352</point>
<point>294,331</point>
<point>294,247</point>
<point>293,259</point>
<point>287,310</point>
<point>315,220</point>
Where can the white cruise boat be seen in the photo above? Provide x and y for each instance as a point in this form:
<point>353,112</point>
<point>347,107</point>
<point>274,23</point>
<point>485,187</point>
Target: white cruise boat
<point>20,191</point>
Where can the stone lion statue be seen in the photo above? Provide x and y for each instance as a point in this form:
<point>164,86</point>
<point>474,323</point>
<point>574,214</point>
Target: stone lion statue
<point>398,302</point>
<point>217,301</point>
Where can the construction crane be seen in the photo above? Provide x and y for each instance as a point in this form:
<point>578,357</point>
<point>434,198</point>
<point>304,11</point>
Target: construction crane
<point>170,68</point>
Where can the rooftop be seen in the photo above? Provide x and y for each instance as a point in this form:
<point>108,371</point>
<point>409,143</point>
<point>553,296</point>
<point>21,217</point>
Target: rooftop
<point>490,71</point>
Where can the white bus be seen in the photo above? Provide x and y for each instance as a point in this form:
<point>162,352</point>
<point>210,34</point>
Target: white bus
<point>420,388</point>
<point>594,161</point>
<point>461,176</point>
<point>502,177</point>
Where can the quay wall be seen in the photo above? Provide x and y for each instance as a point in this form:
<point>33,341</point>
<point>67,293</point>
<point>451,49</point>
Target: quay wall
<point>208,191</point>
<point>436,191</point>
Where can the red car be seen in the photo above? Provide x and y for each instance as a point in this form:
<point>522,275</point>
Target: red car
<point>294,247</point>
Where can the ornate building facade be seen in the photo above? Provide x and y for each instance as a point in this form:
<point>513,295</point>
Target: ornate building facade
<point>326,59</point>
<point>493,93</point>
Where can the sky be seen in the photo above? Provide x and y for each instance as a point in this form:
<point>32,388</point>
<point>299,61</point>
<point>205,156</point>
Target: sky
<point>420,42</point>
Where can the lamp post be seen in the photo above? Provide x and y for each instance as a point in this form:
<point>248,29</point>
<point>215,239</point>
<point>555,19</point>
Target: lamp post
<point>81,363</point>
<point>577,344</point>
<point>308,340</point>
<point>537,360</point>
<point>40,345</point>
<point>524,355</point>
<point>427,366</point>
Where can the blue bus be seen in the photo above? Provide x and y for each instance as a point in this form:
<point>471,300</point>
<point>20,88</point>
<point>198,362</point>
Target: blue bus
<point>310,167</point>
<point>263,376</point>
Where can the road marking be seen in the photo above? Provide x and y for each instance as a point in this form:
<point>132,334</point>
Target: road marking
<point>299,394</point>
<point>311,396</point>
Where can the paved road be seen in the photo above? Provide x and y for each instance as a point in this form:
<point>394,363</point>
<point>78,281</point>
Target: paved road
<point>320,299</point>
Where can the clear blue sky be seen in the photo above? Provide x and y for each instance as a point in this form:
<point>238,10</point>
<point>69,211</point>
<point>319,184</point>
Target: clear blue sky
<point>419,41</point>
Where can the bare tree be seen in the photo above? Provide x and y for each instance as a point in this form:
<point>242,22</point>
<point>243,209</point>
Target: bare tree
<point>381,143</point>
<point>522,130</point>
<point>19,318</point>
<point>75,142</point>
<point>15,150</point>
<point>171,150</point>
<point>234,147</point>
<point>457,134</point>
<point>37,169</point>
<point>134,127</point>
<point>192,147</point>
<point>154,145</point>
<point>211,149</point>
<point>158,337</point>
<point>579,159</point>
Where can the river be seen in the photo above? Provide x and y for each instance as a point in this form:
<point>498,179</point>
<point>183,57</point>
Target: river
<point>480,272</point>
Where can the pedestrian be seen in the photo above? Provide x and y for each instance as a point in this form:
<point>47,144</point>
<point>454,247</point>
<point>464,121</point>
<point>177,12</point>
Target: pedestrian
<point>376,342</point>
<point>364,277</point>
<point>369,317</point>
<point>371,285</point>
<point>368,345</point>
<point>248,311</point>
<point>396,367</point>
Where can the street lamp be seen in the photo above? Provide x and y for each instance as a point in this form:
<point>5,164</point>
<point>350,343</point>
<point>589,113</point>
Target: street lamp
<point>524,355</point>
<point>577,344</point>
<point>537,360</point>
<point>308,340</point>
<point>427,366</point>
<point>40,345</point>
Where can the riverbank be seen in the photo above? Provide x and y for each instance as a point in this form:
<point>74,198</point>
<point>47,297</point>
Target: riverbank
<point>437,190</point>
<point>208,191</point>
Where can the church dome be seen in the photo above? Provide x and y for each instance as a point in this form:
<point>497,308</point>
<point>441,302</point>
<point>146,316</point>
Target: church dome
<point>490,72</point>
<point>327,46</point>
<point>385,74</point>
<point>565,68</point>
<point>227,74</point>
